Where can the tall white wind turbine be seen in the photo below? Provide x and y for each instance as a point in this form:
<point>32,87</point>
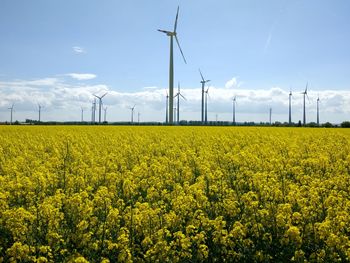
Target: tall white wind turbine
<point>304,110</point>
<point>100,105</point>
<point>203,82</point>
<point>172,34</point>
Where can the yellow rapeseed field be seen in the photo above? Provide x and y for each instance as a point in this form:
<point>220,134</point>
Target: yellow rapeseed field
<point>174,194</point>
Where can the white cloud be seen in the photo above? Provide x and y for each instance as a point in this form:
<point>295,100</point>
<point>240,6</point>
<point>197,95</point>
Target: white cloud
<point>232,83</point>
<point>80,76</point>
<point>62,101</point>
<point>78,50</point>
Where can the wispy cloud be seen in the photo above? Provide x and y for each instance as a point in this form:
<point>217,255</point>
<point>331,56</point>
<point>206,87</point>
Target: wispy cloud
<point>78,50</point>
<point>233,83</point>
<point>80,76</point>
<point>268,41</point>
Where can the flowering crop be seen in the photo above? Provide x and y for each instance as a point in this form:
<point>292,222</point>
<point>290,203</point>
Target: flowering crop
<point>174,194</point>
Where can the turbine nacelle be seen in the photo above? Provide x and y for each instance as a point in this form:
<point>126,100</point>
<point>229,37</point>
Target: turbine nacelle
<point>168,33</point>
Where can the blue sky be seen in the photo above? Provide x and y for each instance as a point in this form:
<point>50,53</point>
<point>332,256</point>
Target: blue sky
<point>57,53</point>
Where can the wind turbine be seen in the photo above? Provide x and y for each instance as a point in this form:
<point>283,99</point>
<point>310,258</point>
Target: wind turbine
<point>132,113</point>
<point>93,111</point>
<point>206,105</point>
<point>138,117</point>
<point>270,116</point>
<point>304,112</point>
<point>318,110</point>
<point>82,114</point>
<point>234,110</point>
<point>290,107</point>
<point>11,108</point>
<point>203,81</point>
<point>105,114</point>
<point>100,105</point>
<point>39,107</point>
<point>178,94</point>
<point>172,34</point>
<point>166,108</point>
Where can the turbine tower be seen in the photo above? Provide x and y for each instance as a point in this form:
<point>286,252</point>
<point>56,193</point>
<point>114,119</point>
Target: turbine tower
<point>178,94</point>
<point>138,117</point>
<point>82,114</point>
<point>105,114</point>
<point>234,110</point>
<point>304,112</point>
<point>172,34</point>
<point>93,111</point>
<point>270,116</point>
<point>39,107</point>
<point>206,105</point>
<point>203,82</point>
<point>290,107</point>
<point>132,113</point>
<point>166,108</point>
<point>11,110</point>
<point>100,105</point>
<point>318,110</point>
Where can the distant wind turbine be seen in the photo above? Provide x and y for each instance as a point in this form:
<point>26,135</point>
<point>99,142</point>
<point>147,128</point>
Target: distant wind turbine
<point>234,110</point>
<point>82,114</point>
<point>39,107</point>
<point>138,117</point>
<point>318,110</point>
<point>105,114</point>
<point>290,107</point>
<point>11,114</point>
<point>178,94</point>
<point>172,34</point>
<point>203,82</point>
<point>166,108</point>
<point>206,105</point>
<point>304,111</point>
<point>132,113</point>
<point>100,105</point>
<point>270,116</point>
<point>93,111</point>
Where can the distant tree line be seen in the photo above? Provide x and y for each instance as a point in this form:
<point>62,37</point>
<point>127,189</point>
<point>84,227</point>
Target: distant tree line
<point>345,124</point>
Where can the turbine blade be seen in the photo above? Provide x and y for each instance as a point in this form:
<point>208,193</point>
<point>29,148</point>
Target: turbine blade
<point>104,95</point>
<point>178,44</point>
<point>307,83</point>
<point>163,31</point>
<point>200,72</point>
<point>207,80</point>
<point>182,96</point>
<point>208,89</point>
<point>177,16</point>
